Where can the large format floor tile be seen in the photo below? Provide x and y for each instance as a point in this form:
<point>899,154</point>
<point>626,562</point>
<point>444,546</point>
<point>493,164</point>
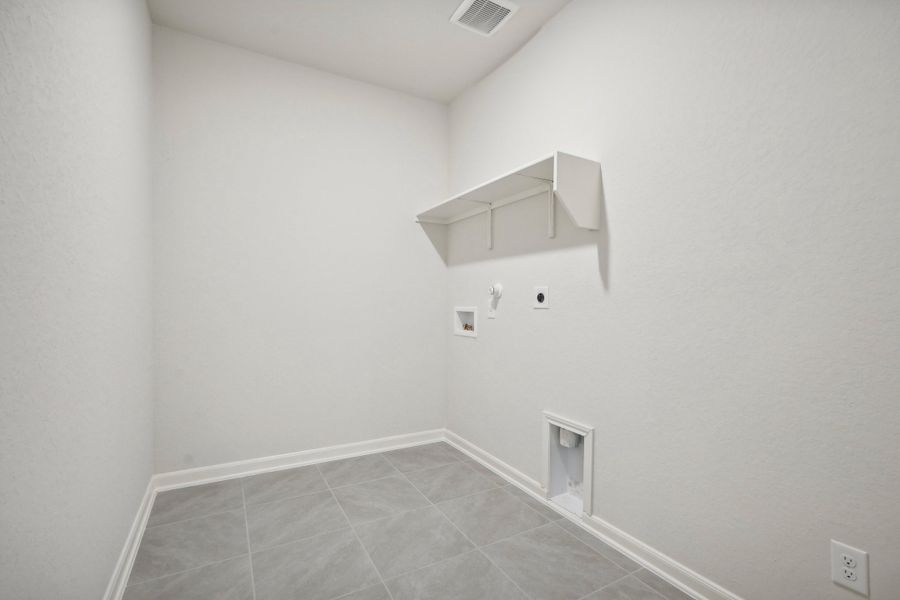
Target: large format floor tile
<point>228,580</point>
<point>552,565</point>
<point>293,519</point>
<point>541,509</point>
<point>175,547</point>
<point>485,472</point>
<point>662,587</point>
<point>378,499</point>
<point>629,588</point>
<point>376,592</point>
<point>432,523</point>
<point>423,457</point>
<point>470,576</point>
<point>411,540</point>
<point>490,516</point>
<point>279,485</point>
<point>449,481</point>
<point>356,470</point>
<point>319,568</point>
<point>196,501</point>
<point>605,550</point>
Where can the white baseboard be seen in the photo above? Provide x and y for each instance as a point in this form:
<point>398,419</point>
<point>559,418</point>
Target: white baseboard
<point>685,579</point>
<point>253,466</point>
<point>506,471</point>
<point>116,586</point>
<point>690,582</point>
<point>177,479</point>
<point>653,560</point>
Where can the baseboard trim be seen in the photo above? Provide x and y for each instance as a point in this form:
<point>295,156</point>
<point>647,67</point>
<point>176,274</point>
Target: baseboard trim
<point>253,466</point>
<point>115,589</point>
<point>506,471</point>
<point>680,576</point>
<point>683,578</point>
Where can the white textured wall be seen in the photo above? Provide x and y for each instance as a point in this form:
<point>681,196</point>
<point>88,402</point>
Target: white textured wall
<point>734,337</point>
<point>75,318</point>
<point>298,304</point>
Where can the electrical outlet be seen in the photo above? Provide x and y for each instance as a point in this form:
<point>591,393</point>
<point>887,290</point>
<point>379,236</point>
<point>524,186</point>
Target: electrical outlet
<point>542,296</point>
<point>850,567</point>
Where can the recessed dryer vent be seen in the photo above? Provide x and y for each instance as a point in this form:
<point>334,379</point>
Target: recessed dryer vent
<point>568,464</point>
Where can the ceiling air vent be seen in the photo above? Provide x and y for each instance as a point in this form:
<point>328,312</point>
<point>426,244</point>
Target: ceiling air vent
<point>483,16</point>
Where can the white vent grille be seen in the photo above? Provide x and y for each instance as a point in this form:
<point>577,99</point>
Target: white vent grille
<point>483,16</point>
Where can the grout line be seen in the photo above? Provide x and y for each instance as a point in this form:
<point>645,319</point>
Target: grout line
<point>476,546</point>
<point>216,562</point>
<point>203,516</point>
<point>249,549</point>
<point>346,485</point>
<point>504,573</point>
<point>575,537</point>
<point>356,535</point>
<point>601,588</point>
<point>419,470</point>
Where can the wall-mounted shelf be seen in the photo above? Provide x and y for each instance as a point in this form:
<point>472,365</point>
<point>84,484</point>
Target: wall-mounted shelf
<point>571,180</point>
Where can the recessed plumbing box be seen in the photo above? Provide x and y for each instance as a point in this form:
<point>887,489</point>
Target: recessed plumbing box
<point>465,321</point>
<point>568,463</point>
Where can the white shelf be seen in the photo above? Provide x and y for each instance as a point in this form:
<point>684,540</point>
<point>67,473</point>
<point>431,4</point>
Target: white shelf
<point>571,180</point>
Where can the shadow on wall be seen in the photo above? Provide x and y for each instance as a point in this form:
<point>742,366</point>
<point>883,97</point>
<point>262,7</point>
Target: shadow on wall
<point>519,229</point>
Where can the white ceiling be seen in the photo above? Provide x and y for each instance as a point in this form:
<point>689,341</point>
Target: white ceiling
<point>407,45</point>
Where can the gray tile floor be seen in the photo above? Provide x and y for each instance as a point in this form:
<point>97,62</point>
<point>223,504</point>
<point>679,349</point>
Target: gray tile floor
<point>412,524</point>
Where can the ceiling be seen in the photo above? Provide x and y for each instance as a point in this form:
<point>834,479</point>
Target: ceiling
<point>407,45</point>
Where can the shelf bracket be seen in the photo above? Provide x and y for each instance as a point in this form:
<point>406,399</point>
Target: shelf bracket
<point>490,226</point>
<point>551,214</point>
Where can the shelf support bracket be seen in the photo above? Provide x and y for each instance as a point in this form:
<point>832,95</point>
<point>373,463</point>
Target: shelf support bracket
<point>551,214</point>
<point>490,226</point>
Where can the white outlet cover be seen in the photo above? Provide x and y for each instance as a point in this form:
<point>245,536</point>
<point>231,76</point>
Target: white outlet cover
<point>850,567</point>
<point>545,290</point>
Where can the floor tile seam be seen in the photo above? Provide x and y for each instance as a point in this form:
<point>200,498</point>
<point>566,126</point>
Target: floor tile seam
<point>378,454</point>
<point>457,461</point>
<point>507,537</point>
<point>291,497</point>
<point>358,540</point>
<point>437,562</point>
<point>621,579</point>
<point>300,539</point>
<point>429,565</point>
<point>570,534</point>
<point>655,591</point>
<point>353,525</point>
<point>297,541</point>
<point>597,551</point>
<point>505,574</point>
<point>249,546</point>
<point>365,587</point>
<point>499,487</point>
<point>557,515</point>
<point>449,462</point>
<point>523,532</point>
<point>346,485</point>
<point>203,516</point>
<point>647,585</point>
<point>488,558</point>
<point>183,571</point>
<point>525,504</point>
<point>303,495</point>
